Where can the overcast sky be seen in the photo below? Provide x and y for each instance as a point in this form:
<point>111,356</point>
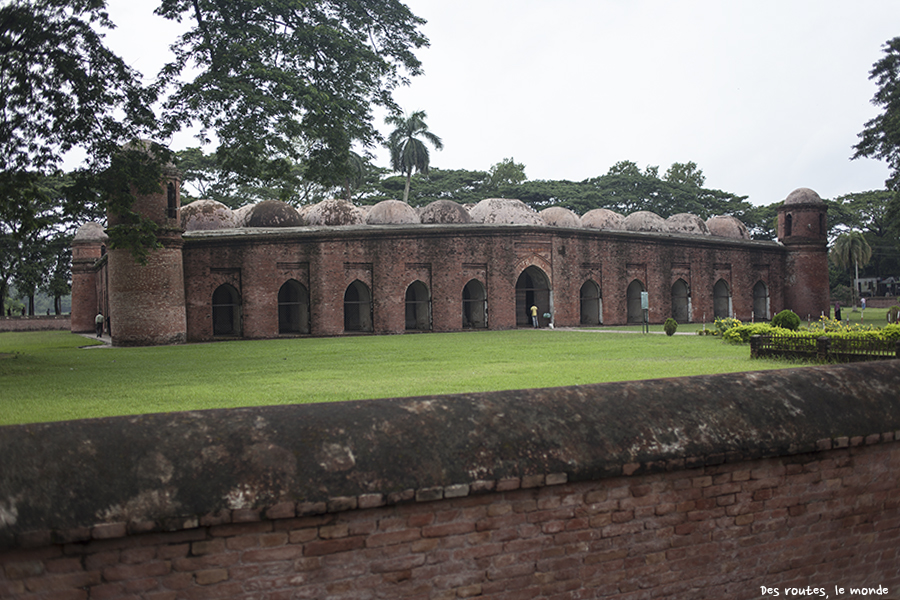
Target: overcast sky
<point>764,95</point>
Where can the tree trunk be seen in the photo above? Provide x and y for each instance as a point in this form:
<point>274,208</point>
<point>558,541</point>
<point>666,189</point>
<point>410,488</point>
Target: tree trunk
<point>406,189</point>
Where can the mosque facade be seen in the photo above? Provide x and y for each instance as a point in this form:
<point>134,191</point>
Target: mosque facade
<point>268,270</point>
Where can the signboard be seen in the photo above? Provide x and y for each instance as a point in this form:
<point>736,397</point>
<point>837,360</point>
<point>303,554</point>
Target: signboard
<point>645,301</point>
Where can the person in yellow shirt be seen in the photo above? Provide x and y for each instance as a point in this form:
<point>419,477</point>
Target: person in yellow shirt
<point>534,316</point>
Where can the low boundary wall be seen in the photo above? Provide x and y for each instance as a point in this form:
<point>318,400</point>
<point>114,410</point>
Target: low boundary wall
<point>36,323</point>
<point>727,486</point>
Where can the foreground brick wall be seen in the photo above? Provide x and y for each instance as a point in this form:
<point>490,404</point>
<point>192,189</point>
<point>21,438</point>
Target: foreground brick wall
<point>660,489</point>
<point>721,531</point>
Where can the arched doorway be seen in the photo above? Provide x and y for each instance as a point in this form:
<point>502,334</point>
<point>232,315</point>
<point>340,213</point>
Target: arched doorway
<point>474,305</point>
<point>293,308</point>
<point>532,289</point>
<point>357,307</point>
<point>633,298</point>
<point>591,304</point>
<point>418,307</point>
<point>761,301</point>
<point>226,311</point>
<point>681,302</point>
<point>721,300</point>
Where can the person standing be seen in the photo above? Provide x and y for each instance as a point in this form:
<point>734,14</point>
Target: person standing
<point>534,316</point>
<point>98,323</point>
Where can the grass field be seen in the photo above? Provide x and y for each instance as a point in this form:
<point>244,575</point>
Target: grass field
<point>46,376</point>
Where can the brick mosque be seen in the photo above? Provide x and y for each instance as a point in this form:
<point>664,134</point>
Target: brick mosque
<point>269,270</point>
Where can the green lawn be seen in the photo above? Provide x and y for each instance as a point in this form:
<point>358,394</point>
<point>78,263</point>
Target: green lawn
<point>46,376</point>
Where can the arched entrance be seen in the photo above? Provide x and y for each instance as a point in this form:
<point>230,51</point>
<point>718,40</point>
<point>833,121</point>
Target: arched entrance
<point>721,300</point>
<point>474,306</point>
<point>357,307</point>
<point>226,311</point>
<point>761,301</point>
<point>591,304</point>
<point>418,307</point>
<point>293,308</point>
<point>532,289</point>
<point>681,302</point>
<point>633,298</point>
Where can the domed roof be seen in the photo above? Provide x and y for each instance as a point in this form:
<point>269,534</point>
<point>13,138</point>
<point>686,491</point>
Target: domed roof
<point>334,212</point>
<point>602,218</point>
<point>687,223</point>
<point>444,211</point>
<point>274,213</point>
<point>644,220</point>
<point>392,212</point>
<point>727,226</point>
<point>557,216</point>
<point>203,215</point>
<point>504,211</point>
<point>242,215</point>
<point>91,232</point>
<point>803,196</point>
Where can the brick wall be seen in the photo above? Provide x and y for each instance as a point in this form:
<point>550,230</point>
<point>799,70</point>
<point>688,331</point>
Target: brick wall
<point>36,323</point>
<point>388,259</point>
<point>782,479</point>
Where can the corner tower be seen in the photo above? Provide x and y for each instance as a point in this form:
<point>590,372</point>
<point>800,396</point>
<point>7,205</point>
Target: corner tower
<point>802,229</point>
<point>146,301</point>
<point>88,246</point>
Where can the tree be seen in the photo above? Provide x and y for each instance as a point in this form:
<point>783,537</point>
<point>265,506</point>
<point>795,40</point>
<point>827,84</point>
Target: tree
<point>851,249</point>
<point>505,173</point>
<point>61,88</point>
<point>277,79</point>
<point>880,137</point>
<point>408,152</point>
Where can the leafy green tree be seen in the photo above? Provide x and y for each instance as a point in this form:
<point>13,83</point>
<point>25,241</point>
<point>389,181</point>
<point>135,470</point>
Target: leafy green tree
<point>505,174</point>
<point>686,174</point>
<point>408,152</point>
<point>851,249</point>
<point>880,137</point>
<point>262,75</point>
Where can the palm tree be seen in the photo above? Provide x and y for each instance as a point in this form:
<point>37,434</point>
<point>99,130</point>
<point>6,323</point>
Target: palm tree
<point>851,249</point>
<point>408,153</point>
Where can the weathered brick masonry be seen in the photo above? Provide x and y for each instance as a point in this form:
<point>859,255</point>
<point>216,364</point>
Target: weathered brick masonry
<point>702,487</point>
<point>282,279</point>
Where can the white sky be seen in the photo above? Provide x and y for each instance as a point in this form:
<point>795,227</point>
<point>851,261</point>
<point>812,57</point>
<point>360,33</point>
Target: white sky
<point>764,95</point>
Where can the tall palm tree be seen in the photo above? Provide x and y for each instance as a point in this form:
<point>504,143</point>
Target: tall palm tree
<point>408,152</point>
<point>851,249</point>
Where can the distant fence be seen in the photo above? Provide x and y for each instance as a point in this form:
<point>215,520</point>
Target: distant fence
<point>823,349</point>
<point>36,323</point>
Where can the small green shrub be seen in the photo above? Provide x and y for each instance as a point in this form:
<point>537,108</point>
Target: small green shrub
<point>670,326</point>
<point>893,314</point>
<point>786,319</point>
<point>741,334</point>
<point>723,325</point>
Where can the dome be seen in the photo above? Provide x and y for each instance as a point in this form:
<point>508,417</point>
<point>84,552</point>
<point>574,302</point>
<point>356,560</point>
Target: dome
<point>274,213</point>
<point>687,223</point>
<point>803,196</point>
<point>203,215</point>
<point>504,211</point>
<point>602,218</point>
<point>727,226</point>
<point>444,211</point>
<point>334,212</point>
<point>644,220</point>
<point>91,232</point>
<point>242,215</point>
<point>392,212</point>
<point>557,216</point>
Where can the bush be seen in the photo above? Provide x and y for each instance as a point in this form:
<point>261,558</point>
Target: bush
<point>786,319</point>
<point>893,314</point>
<point>723,325</point>
<point>670,326</point>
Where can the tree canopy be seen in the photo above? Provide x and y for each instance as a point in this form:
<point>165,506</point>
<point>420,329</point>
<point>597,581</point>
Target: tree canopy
<point>880,137</point>
<point>408,152</point>
<point>278,83</point>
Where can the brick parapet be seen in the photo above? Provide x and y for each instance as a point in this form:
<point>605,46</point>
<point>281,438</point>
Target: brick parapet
<point>183,470</point>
